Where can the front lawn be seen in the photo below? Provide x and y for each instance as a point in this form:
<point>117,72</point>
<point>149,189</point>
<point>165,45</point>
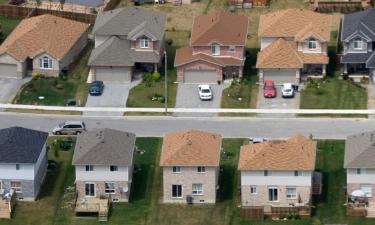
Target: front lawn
<point>57,91</point>
<point>7,24</point>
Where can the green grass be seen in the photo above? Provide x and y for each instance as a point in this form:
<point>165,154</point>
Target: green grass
<point>7,24</point>
<point>74,86</point>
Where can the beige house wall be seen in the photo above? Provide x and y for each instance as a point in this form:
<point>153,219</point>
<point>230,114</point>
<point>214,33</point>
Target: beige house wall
<point>21,66</point>
<point>100,190</point>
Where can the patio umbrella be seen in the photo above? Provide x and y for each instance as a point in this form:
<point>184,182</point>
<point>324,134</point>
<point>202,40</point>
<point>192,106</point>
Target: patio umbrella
<point>358,193</point>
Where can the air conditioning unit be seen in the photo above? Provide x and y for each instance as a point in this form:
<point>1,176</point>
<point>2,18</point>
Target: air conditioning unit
<point>189,199</point>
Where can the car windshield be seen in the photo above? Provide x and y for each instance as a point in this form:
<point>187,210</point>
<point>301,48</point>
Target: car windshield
<point>61,124</point>
<point>268,88</point>
<point>288,90</point>
<point>205,90</point>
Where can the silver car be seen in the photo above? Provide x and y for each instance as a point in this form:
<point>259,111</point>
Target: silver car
<point>69,127</point>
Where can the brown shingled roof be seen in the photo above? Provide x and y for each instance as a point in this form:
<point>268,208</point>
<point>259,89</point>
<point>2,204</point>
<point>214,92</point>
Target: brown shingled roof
<point>297,23</point>
<point>295,153</point>
<point>46,33</point>
<point>191,148</point>
<point>185,55</point>
<point>222,27</point>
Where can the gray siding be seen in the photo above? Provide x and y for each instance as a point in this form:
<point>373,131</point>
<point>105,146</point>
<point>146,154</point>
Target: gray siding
<point>40,175</point>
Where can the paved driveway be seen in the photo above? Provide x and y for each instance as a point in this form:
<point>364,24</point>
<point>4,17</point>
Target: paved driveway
<point>9,88</point>
<point>187,97</point>
<point>277,103</point>
<point>114,95</point>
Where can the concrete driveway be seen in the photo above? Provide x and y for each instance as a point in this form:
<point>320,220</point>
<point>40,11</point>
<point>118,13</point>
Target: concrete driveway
<point>277,103</point>
<point>187,97</point>
<point>9,88</point>
<point>114,95</point>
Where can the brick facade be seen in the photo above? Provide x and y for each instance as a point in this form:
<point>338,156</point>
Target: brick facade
<point>355,186</point>
<point>224,51</point>
<point>100,190</point>
<point>187,178</point>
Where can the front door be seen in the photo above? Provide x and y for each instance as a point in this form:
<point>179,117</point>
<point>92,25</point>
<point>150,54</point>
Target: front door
<point>273,194</point>
<point>89,189</point>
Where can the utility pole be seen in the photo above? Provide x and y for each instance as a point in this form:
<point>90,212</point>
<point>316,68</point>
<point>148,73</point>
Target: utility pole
<point>165,83</point>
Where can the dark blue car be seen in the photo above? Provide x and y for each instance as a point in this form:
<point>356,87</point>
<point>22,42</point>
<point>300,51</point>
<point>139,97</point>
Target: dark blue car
<point>96,87</point>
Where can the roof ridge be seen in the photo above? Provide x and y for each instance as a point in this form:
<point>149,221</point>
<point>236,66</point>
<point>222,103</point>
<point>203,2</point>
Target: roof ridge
<point>295,52</point>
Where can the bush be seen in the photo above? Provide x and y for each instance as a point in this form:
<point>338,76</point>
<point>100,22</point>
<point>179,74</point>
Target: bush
<point>155,76</point>
<point>36,75</point>
<point>59,86</point>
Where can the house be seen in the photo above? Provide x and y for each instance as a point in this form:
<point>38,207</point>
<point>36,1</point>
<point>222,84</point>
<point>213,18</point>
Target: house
<point>278,175</point>
<point>103,161</point>
<point>125,39</point>
<point>190,161</point>
<point>293,45</point>
<point>216,51</point>
<point>23,162</point>
<point>359,162</point>
<point>358,41</point>
<point>45,44</point>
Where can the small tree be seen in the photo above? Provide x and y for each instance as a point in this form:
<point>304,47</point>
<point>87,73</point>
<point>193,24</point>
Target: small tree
<point>62,2</point>
<point>38,2</point>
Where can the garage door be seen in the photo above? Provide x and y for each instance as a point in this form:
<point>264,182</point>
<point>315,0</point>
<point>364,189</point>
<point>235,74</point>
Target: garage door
<point>113,74</point>
<point>280,76</point>
<point>200,76</point>
<point>8,70</point>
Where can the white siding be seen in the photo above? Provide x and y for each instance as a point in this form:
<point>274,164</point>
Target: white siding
<point>102,173</point>
<point>265,41</point>
<point>100,39</point>
<point>8,171</point>
<point>367,178</point>
<point>276,178</point>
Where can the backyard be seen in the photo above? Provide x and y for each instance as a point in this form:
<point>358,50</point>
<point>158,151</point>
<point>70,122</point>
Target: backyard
<point>7,24</point>
<point>57,91</point>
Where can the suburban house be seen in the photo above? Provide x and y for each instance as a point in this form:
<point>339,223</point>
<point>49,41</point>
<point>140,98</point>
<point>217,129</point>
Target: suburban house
<point>190,161</point>
<point>278,175</point>
<point>359,162</point>
<point>216,51</point>
<point>45,44</point>
<point>358,42</point>
<point>293,45</point>
<point>125,39</point>
<point>103,161</point>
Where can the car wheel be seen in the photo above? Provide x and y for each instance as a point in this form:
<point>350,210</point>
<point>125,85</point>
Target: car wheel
<point>58,133</point>
<point>78,132</point>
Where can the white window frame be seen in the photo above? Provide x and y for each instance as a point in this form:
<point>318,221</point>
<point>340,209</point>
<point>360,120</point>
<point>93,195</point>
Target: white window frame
<point>144,43</point>
<point>364,187</point>
<point>113,168</point>
<point>298,173</point>
<point>267,173</point>
<point>277,195</point>
<point>45,62</point>
<point>360,171</point>
<point>232,48</point>
<point>312,44</point>
<point>177,191</point>
<point>201,169</point>
<point>176,169</point>
<point>215,49</point>
<point>358,42</point>
<point>290,195</point>
<point>89,168</point>
<point>17,189</point>
<point>94,185</point>
<point>110,190</point>
<point>19,166</point>
<point>197,189</point>
<point>253,190</point>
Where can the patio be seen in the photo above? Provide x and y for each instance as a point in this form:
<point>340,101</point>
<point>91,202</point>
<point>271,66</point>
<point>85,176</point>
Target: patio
<point>99,206</point>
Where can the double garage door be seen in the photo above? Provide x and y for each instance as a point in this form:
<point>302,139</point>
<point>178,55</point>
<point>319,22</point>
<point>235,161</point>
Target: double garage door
<point>280,76</point>
<point>200,76</point>
<point>122,74</point>
<point>8,70</point>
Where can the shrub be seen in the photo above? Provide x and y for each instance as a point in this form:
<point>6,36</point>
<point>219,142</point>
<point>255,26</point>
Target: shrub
<point>36,75</point>
<point>155,76</point>
<point>169,41</point>
<point>59,86</point>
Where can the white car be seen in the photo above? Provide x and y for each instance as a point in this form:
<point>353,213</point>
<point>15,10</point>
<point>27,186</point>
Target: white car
<point>205,92</point>
<point>287,90</point>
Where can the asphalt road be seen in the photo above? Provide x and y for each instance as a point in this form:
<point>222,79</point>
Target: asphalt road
<point>229,127</point>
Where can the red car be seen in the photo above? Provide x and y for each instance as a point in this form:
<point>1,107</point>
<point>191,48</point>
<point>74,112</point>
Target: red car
<point>269,89</point>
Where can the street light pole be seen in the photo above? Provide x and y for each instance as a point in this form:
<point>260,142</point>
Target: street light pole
<point>165,83</point>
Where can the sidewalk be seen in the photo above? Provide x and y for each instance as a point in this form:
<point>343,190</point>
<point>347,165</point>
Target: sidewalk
<point>371,99</point>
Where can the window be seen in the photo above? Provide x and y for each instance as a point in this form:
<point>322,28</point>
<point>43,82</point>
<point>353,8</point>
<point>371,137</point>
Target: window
<point>297,173</point>
<point>197,189</point>
<point>176,191</point>
<point>18,167</point>
<point>232,48</point>
<point>113,168</point>
<point>143,43</point>
<point>360,171</point>
<point>312,43</point>
<point>291,192</point>
<point>215,49</point>
<point>16,186</point>
<point>367,189</point>
<point>89,168</point>
<point>176,169</point>
<point>201,169</point>
<point>90,189</point>
<point>267,173</point>
<point>358,44</point>
<point>45,63</point>
<point>109,188</point>
<point>272,194</point>
<point>253,190</point>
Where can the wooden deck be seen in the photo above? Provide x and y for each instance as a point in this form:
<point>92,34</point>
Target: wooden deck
<point>7,206</point>
<point>97,206</point>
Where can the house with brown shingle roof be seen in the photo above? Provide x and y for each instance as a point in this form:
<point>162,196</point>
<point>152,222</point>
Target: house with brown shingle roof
<point>293,45</point>
<point>277,173</point>
<point>216,51</point>
<point>46,44</point>
<point>190,161</point>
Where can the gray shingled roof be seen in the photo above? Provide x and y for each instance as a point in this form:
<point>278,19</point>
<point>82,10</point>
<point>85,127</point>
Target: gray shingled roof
<point>104,147</point>
<point>361,22</point>
<point>117,52</point>
<point>360,151</point>
<point>131,20</point>
<point>21,145</point>
<point>356,57</point>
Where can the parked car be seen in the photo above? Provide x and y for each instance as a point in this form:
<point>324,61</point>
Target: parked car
<point>69,127</point>
<point>205,92</point>
<point>96,87</point>
<point>269,89</point>
<point>288,90</point>
<point>257,140</point>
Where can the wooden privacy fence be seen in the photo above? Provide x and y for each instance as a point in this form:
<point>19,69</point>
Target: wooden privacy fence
<point>252,212</point>
<point>18,11</point>
<point>327,6</point>
<point>111,5</point>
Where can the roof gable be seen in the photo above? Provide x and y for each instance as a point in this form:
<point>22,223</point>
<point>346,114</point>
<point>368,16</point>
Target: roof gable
<point>359,21</point>
<point>360,150</point>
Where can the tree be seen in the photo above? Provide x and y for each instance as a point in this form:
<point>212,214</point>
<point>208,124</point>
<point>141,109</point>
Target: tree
<point>62,2</point>
<point>38,2</point>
